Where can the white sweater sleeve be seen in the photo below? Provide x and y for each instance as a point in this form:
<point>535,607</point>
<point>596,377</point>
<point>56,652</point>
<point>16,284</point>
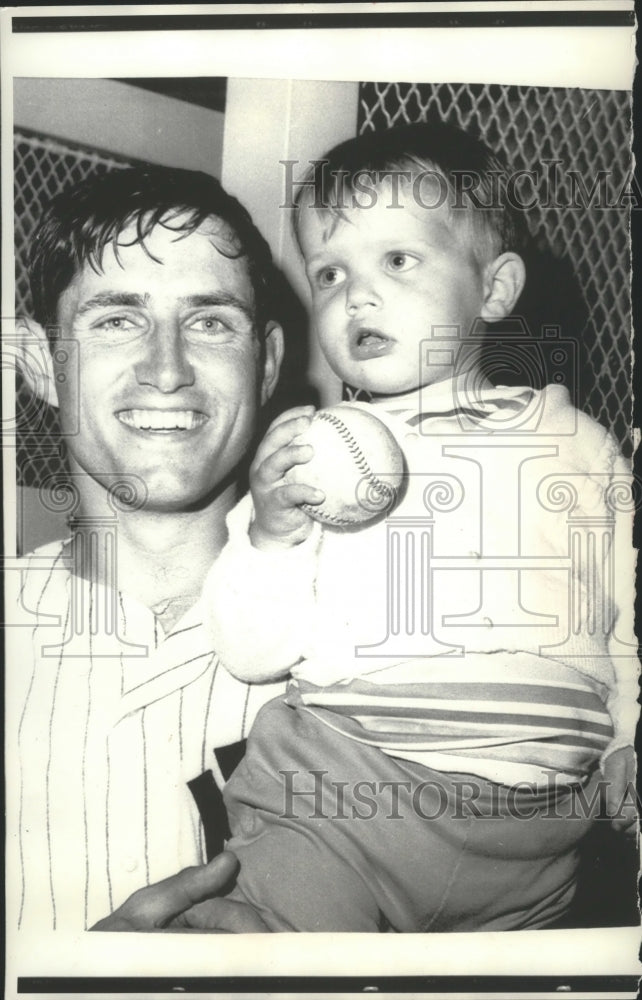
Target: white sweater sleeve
<point>594,449</point>
<point>623,701</point>
<point>259,605</point>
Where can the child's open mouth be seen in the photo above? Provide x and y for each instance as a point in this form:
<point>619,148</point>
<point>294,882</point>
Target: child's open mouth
<point>367,342</point>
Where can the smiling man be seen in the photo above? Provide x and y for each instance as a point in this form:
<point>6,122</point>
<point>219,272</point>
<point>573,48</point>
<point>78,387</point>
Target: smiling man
<point>158,284</point>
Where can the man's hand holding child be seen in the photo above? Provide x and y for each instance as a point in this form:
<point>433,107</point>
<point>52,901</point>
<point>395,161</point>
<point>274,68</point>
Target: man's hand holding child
<point>619,772</point>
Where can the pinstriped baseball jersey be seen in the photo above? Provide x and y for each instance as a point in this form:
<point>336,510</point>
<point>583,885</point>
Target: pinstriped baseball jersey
<point>110,718</point>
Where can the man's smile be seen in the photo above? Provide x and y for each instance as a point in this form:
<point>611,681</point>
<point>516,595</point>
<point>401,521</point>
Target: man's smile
<point>162,420</point>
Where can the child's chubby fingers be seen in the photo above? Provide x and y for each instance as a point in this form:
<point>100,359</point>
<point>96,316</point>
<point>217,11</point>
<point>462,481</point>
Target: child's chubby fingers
<point>295,413</point>
<point>294,494</point>
<point>282,432</point>
<point>273,468</point>
<point>279,519</point>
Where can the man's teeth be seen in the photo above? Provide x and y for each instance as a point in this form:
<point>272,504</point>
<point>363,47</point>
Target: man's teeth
<point>162,420</point>
<point>370,337</point>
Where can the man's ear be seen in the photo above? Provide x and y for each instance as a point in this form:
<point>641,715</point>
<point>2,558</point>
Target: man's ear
<point>34,360</point>
<point>272,361</point>
<point>503,283</point>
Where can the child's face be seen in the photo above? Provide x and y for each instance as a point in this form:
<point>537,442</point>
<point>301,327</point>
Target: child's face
<point>384,281</point>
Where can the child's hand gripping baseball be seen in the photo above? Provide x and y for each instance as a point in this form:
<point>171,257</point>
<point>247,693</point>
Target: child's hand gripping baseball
<point>279,521</point>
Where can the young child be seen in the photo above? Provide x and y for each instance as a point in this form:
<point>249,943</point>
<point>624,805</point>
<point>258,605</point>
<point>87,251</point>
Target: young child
<point>455,668</point>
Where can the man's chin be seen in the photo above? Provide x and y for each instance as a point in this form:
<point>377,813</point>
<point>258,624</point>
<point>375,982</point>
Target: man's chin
<point>154,490</point>
<point>170,503</point>
<point>184,500</point>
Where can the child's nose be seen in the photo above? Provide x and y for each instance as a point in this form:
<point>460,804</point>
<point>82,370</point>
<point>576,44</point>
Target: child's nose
<point>360,294</point>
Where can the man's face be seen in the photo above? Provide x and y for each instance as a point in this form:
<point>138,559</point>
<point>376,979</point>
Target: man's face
<point>384,281</point>
<point>170,365</point>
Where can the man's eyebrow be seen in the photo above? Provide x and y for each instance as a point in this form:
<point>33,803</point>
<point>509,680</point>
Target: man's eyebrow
<point>218,299</point>
<point>133,299</point>
<point>112,299</point>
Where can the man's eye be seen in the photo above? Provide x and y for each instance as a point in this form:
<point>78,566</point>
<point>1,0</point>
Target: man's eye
<point>117,324</point>
<point>401,261</point>
<point>329,277</point>
<point>208,324</point>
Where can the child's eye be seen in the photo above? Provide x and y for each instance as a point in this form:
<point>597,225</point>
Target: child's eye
<point>329,277</point>
<point>401,261</point>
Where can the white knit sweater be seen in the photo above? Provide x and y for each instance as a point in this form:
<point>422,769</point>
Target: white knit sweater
<point>524,504</point>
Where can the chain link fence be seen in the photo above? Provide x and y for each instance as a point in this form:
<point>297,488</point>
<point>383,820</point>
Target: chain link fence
<point>588,288</point>
<point>43,166</point>
<point>585,286</point>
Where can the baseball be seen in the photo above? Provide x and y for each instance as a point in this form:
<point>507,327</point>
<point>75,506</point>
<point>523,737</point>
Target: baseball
<point>357,463</point>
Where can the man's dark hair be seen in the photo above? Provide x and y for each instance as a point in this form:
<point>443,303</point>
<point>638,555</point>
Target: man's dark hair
<point>83,219</point>
<point>436,149</point>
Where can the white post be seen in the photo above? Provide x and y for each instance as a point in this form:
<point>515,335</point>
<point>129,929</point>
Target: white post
<point>267,121</point>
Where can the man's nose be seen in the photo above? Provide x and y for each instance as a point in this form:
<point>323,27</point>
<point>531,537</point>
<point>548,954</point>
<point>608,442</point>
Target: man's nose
<point>165,365</point>
<point>361,293</point>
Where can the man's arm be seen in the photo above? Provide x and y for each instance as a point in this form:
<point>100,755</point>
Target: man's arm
<point>189,901</point>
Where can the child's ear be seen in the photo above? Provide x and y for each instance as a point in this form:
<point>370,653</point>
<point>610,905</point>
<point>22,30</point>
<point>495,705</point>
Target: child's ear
<point>34,360</point>
<point>503,283</point>
<point>272,361</point>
